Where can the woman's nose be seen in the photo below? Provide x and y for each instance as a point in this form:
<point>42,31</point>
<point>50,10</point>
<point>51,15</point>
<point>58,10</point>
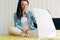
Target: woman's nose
<point>24,6</point>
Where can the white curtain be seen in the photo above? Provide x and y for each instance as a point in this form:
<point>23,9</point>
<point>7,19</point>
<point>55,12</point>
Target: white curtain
<point>7,9</point>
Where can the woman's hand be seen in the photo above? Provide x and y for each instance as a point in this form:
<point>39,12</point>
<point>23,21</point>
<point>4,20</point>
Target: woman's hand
<point>25,32</point>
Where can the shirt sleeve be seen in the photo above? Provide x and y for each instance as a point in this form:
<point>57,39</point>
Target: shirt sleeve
<point>16,23</point>
<point>33,17</point>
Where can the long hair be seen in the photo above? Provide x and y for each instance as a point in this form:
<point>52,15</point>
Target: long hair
<point>19,9</point>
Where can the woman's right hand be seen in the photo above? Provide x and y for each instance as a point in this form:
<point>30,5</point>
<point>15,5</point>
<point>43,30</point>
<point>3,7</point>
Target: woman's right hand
<point>23,31</point>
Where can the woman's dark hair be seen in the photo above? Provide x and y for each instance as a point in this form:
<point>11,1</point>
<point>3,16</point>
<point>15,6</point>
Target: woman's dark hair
<point>19,9</point>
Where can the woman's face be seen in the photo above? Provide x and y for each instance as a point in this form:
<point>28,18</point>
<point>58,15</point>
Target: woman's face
<point>24,5</point>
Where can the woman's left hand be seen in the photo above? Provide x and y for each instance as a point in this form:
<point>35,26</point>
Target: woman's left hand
<point>27,31</point>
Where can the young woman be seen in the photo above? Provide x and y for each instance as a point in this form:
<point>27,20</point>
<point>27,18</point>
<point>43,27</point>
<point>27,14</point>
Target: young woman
<point>23,18</point>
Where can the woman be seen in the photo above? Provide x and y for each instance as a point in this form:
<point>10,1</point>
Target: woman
<point>23,18</point>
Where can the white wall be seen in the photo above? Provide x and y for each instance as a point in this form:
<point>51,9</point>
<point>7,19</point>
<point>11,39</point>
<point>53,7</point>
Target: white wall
<point>52,5</point>
<point>8,7</point>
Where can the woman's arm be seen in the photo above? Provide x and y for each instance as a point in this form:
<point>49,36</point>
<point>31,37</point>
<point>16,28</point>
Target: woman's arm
<point>33,17</point>
<point>16,23</point>
<point>34,20</point>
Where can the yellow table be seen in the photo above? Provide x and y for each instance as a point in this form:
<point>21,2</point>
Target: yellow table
<point>12,37</point>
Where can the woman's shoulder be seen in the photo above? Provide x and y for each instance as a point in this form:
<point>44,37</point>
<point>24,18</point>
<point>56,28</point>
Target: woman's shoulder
<point>29,10</point>
<point>15,16</point>
<point>15,13</point>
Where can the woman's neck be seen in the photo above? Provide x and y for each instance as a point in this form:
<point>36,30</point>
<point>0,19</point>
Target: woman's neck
<point>23,14</point>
